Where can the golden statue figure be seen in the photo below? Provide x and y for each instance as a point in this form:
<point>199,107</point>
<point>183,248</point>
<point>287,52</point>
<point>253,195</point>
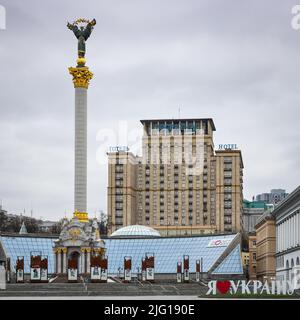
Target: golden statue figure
<point>82,33</point>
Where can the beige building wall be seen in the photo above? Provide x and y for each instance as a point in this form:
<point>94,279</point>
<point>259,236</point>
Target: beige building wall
<point>265,248</point>
<point>121,190</point>
<point>252,257</point>
<point>168,190</point>
<point>229,190</point>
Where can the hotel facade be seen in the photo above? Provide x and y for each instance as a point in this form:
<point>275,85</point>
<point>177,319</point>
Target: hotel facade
<point>180,185</point>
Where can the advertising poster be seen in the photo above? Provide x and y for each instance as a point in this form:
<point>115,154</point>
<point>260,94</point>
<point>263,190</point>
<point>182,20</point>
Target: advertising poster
<point>186,274</point>
<point>20,270</point>
<point>149,261</point>
<point>103,274</point>
<point>72,274</point>
<point>35,267</point>
<point>127,269</point>
<point>95,273</point>
<point>44,269</point>
<point>179,272</point>
<point>104,271</point>
<point>20,275</point>
<point>35,274</point>
<point>44,275</point>
<point>197,270</point>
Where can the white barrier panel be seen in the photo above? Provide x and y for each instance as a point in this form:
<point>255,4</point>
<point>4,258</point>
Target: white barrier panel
<point>95,273</point>
<point>35,274</point>
<point>72,274</point>
<point>44,274</point>
<point>2,278</point>
<point>103,274</point>
<point>197,276</point>
<point>20,275</point>
<point>150,274</point>
<point>179,277</point>
<point>127,275</point>
<point>186,275</point>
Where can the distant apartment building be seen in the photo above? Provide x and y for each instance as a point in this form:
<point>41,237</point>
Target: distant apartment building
<point>273,197</point>
<point>180,185</point>
<point>252,211</point>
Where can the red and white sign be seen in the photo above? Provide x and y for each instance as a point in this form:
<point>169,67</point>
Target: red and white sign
<point>215,243</point>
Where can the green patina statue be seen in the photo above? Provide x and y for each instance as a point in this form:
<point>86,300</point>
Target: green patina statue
<point>82,33</point>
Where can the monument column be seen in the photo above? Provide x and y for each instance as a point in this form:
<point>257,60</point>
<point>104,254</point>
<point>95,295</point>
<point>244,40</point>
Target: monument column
<point>82,29</point>
<point>81,77</point>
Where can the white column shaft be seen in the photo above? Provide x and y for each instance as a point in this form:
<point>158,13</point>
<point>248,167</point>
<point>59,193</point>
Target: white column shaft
<point>88,262</point>
<point>82,257</point>
<point>64,263</point>
<point>80,189</point>
<point>59,262</point>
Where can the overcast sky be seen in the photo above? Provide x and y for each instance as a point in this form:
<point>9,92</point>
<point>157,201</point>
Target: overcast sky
<point>235,61</point>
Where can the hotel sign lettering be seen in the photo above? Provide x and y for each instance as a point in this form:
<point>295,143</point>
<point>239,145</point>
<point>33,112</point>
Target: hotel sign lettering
<point>119,149</point>
<point>228,146</point>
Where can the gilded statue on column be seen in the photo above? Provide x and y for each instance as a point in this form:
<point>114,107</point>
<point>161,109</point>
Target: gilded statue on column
<point>82,29</point>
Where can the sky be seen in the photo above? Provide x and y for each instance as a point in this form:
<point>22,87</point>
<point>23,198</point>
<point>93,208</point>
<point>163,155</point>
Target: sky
<point>235,61</point>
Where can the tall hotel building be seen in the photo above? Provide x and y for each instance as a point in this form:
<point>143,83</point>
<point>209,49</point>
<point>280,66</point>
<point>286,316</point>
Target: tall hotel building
<point>180,185</point>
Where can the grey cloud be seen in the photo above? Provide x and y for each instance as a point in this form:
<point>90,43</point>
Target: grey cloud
<point>234,61</point>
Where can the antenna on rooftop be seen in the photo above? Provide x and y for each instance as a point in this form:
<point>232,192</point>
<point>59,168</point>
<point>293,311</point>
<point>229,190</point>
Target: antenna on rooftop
<point>179,113</point>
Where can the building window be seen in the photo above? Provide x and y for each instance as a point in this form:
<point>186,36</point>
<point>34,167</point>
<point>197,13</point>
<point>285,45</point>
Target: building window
<point>227,160</point>
<point>227,182</point>
<point>227,220</point>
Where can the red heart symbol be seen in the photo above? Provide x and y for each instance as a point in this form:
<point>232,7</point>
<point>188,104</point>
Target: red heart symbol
<point>223,286</point>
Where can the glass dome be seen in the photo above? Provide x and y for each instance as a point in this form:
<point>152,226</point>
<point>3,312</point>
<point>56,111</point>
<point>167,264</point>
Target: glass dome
<point>136,231</point>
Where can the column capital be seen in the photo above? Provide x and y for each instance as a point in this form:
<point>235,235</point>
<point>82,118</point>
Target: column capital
<point>81,76</point>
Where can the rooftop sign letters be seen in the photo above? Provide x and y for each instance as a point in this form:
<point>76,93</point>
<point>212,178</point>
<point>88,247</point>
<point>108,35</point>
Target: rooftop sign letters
<point>119,149</point>
<point>228,146</point>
